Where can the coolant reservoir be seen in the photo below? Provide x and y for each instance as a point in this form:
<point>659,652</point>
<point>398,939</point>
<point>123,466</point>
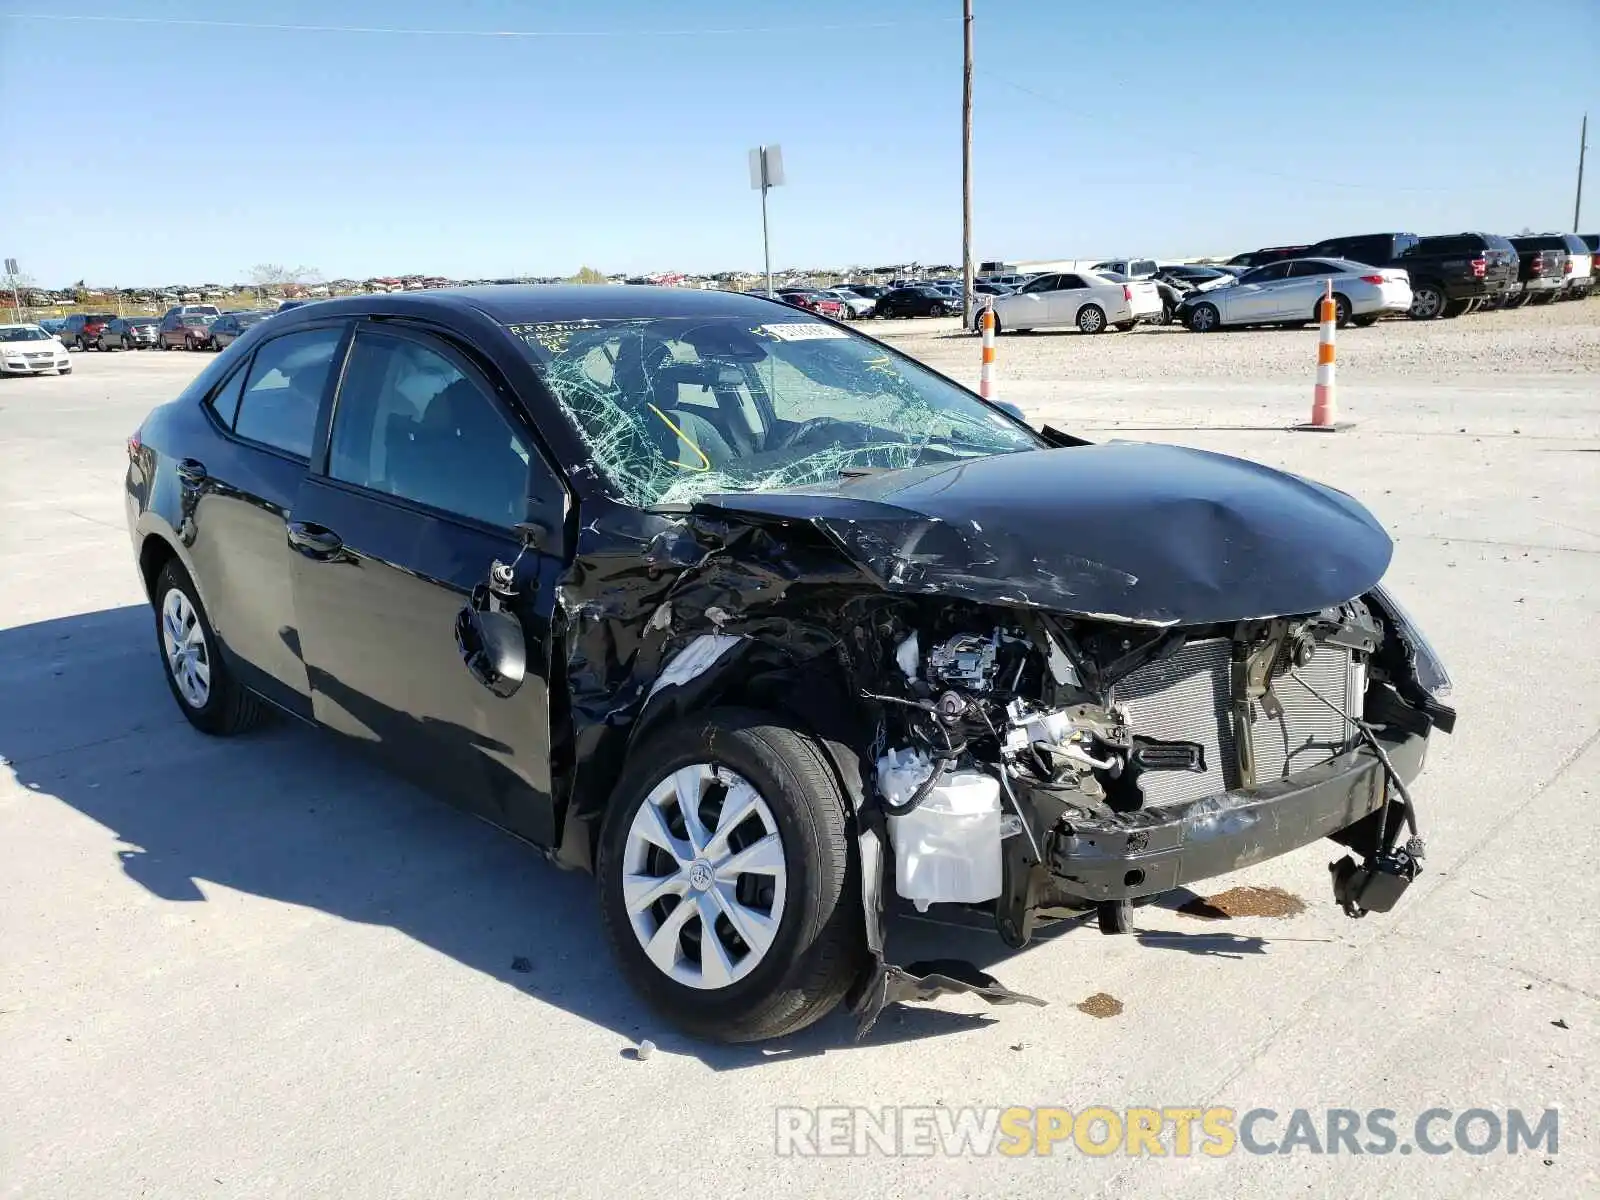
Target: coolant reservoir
<point>947,849</point>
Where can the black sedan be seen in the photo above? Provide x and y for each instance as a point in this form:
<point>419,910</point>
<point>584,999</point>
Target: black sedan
<point>773,628</point>
<point>129,333</point>
<point>229,327</point>
<point>917,301</point>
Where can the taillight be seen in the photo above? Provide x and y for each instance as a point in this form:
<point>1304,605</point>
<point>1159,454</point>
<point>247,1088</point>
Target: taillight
<point>134,445</point>
<point>1373,279</point>
<point>1127,292</point>
<point>1479,266</point>
<point>1537,268</point>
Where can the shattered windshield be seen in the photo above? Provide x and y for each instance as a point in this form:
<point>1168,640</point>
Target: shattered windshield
<point>673,408</point>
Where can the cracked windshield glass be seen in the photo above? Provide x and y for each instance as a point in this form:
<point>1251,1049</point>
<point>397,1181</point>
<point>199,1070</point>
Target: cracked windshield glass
<point>675,408</point>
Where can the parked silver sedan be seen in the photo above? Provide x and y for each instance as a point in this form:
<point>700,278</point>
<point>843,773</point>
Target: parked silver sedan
<point>1289,292</point>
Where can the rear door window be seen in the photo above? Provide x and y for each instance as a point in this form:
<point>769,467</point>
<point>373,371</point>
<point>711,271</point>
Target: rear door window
<point>1304,269</point>
<point>287,379</point>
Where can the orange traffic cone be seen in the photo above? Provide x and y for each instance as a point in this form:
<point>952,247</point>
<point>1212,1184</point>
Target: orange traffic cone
<point>1325,397</point>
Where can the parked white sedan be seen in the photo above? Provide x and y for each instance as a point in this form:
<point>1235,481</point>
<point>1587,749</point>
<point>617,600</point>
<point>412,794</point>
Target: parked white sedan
<point>1081,298</point>
<point>29,350</point>
<point>1289,292</point>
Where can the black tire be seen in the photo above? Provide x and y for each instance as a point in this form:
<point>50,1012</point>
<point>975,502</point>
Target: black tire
<point>1457,308</point>
<point>83,347</point>
<point>1427,302</point>
<point>1518,300</point>
<point>64,371</point>
<point>819,948</point>
<point>1364,322</point>
<point>1124,326</point>
<point>1115,916</point>
<point>1091,319</point>
<point>977,323</point>
<point>1341,311</point>
<point>229,707</point>
<point>938,310</point>
<point>1544,298</point>
<point>1205,318</point>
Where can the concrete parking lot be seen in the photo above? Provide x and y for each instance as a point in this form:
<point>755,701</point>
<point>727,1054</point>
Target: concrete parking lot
<point>264,967</point>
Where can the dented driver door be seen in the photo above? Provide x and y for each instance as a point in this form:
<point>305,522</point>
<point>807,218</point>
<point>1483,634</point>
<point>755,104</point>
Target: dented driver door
<point>424,476</point>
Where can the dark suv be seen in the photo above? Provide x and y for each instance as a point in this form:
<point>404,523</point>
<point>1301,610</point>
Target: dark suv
<point>1453,273</point>
<point>1269,254</point>
<point>1373,249</point>
<point>82,330</point>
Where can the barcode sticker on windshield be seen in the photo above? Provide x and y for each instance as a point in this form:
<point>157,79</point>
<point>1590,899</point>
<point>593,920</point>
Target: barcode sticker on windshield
<point>801,331</point>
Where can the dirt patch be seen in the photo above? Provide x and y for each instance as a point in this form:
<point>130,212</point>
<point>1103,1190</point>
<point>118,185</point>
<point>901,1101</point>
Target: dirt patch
<point>1244,902</point>
<point>1101,1005</point>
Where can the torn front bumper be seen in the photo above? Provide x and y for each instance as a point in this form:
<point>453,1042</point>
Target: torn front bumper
<point>1155,850</point>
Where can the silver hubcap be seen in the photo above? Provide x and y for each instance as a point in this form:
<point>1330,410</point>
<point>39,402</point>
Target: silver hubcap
<point>1428,303</point>
<point>703,877</point>
<point>1090,321</point>
<point>184,641</point>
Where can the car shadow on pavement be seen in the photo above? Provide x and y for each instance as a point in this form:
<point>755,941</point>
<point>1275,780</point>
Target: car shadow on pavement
<point>290,814</point>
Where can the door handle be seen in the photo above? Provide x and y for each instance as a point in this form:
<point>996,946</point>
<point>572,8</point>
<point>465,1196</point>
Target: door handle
<point>314,541</point>
<point>192,472</point>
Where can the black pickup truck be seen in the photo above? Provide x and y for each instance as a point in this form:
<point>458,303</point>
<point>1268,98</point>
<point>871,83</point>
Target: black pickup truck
<point>1453,273</point>
<point>1543,265</point>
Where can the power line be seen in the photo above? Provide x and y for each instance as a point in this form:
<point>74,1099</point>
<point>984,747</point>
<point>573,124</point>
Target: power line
<point>1198,156</point>
<point>202,23</point>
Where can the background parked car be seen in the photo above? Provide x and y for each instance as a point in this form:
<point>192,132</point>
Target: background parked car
<point>209,310</point>
<point>1543,265</point>
<point>1288,293</point>
<point>128,333</point>
<point>186,331</point>
<point>52,325</point>
<point>81,329</point>
<point>1132,268</point>
<point>1580,266</point>
<point>814,301</point>
<point>1450,272</point>
<point>867,291</point>
<point>1191,276</point>
<point>1374,249</point>
<point>1084,299</point>
<point>231,326</point>
<point>1267,254</point>
<point>856,306</point>
<point>918,300</point>
<point>286,305</point>
<point>29,350</point>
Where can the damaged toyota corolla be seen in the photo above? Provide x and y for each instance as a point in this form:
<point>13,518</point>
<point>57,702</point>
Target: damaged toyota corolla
<point>776,630</point>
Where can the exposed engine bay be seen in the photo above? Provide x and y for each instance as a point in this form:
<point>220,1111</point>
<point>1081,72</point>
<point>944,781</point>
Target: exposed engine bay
<point>1001,741</point>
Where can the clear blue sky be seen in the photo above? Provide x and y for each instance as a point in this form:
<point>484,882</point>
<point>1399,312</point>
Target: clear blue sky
<point>189,153</point>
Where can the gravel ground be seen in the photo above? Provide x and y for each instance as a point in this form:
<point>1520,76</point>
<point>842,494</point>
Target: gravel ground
<point>1553,339</point>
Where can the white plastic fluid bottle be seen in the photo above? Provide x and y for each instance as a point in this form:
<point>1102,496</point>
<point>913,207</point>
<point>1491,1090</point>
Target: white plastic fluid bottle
<point>947,849</point>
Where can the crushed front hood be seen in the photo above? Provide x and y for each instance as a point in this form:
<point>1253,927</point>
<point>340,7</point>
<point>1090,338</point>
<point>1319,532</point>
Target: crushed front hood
<point>1128,531</point>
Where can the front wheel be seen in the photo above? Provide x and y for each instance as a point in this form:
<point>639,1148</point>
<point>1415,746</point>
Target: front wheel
<point>727,888</point>
<point>1091,319</point>
<point>1204,318</point>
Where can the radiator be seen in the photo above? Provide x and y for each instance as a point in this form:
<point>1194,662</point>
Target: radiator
<point>1185,698</point>
<point>1189,697</point>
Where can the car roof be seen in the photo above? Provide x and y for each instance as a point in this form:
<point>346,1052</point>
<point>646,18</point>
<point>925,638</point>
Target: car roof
<point>531,303</point>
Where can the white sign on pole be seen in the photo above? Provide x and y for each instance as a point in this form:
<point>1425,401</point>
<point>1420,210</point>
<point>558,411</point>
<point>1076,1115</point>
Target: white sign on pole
<point>766,167</point>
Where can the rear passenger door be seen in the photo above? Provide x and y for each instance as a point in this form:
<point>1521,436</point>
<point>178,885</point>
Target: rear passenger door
<point>1030,308</point>
<point>1255,298</point>
<point>427,469</point>
<point>1066,298</point>
<point>237,499</point>
<point>1298,297</point>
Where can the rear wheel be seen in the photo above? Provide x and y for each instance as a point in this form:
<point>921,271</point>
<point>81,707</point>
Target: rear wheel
<point>1124,326</point>
<point>206,691</point>
<point>726,884</point>
<point>1363,322</point>
<point>1341,311</point>
<point>1427,302</point>
<point>1091,319</point>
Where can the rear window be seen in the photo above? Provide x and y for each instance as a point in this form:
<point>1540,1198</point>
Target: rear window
<point>1575,243</point>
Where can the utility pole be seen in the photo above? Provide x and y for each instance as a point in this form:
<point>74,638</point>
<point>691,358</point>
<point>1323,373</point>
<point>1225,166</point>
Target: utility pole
<point>1583,144</point>
<point>966,163</point>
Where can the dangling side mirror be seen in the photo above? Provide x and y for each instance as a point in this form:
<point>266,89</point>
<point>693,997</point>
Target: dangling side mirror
<point>1011,410</point>
<point>491,643</point>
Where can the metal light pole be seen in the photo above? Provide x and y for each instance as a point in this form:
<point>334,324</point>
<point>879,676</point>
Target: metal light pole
<point>16,300</point>
<point>766,171</point>
<point>1583,144</point>
<point>966,163</point>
